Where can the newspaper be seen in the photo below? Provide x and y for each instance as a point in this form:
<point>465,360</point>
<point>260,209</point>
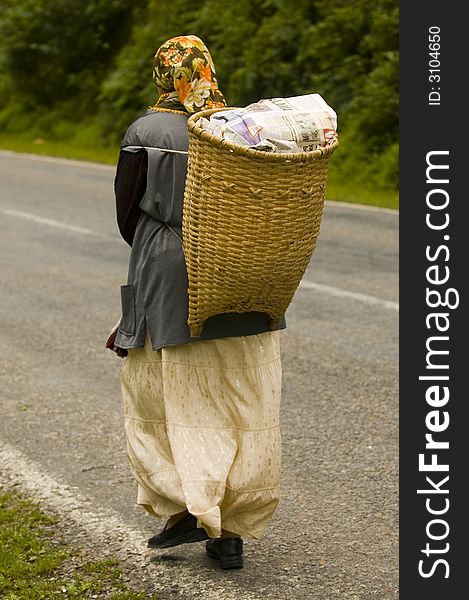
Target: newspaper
<point>297,124</point>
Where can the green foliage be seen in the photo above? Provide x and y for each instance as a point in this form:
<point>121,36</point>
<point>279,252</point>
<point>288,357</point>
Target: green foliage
<point>93,58</point>
<point>58,50</point>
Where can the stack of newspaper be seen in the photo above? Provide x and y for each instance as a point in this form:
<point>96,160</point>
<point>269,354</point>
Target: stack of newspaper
<point>298,124</point>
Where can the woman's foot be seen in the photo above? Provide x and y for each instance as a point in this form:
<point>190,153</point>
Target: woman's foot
<point>229,534</point>
<point>173,519</point>
<point>228,550</point>
<point>179,529</point>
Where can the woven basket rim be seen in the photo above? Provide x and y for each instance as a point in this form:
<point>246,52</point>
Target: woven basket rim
<point>233,148</point>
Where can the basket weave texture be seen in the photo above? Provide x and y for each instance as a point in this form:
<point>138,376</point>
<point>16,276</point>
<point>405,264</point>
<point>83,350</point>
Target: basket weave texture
<point>250,224</point>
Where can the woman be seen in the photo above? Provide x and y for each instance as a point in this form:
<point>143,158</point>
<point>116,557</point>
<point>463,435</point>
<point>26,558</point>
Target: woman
<point>201,415</point>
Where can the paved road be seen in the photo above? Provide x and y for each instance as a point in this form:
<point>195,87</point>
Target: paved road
<point>334,535</point>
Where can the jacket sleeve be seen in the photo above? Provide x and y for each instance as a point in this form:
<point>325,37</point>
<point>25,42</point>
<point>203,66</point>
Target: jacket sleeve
<point>129,187</point>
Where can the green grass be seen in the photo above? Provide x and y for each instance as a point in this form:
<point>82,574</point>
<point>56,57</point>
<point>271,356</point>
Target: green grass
<point>356,194</point>
<point>34,566</point>
<point>62,148</point>
<point>337,189</point>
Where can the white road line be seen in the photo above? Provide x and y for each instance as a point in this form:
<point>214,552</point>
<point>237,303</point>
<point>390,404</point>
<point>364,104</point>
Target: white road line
<point>333,291</point>
<point>380,209</point>
<point>305,285</point>
<point>44,221</point>
<point>57,224</point>
<point>109,532</point>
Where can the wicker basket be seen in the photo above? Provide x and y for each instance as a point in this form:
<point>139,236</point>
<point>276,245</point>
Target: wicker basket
<point>250,224</point>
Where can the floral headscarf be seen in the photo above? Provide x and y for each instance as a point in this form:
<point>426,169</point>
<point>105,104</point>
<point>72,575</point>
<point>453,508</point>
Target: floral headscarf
<point>184,74</point>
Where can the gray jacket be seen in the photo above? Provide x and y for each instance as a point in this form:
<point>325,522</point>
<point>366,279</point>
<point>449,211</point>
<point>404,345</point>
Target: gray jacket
<point>155,296</point>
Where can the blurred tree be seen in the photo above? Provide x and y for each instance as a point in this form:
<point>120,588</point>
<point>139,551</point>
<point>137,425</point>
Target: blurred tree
<point>56,49</point>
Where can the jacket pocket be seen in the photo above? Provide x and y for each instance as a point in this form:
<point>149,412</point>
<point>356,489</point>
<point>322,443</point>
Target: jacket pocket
<point>127,324</point>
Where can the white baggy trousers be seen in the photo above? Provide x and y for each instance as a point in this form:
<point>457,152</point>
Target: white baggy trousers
<point>202,429</point>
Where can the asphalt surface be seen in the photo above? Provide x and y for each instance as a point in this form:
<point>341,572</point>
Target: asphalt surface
<point>334,535</point>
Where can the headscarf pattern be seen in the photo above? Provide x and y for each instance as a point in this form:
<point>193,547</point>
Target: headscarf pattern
<point>184,74</point>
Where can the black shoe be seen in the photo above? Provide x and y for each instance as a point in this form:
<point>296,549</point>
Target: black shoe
<point>229,551</point>
<point>185,531</point>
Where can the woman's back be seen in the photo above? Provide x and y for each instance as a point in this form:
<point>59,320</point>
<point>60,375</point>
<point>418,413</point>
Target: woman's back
<point>165,138</point>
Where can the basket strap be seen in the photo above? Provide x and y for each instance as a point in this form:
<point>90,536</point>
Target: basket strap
<point>137,148</point>
<point>172,231</point>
